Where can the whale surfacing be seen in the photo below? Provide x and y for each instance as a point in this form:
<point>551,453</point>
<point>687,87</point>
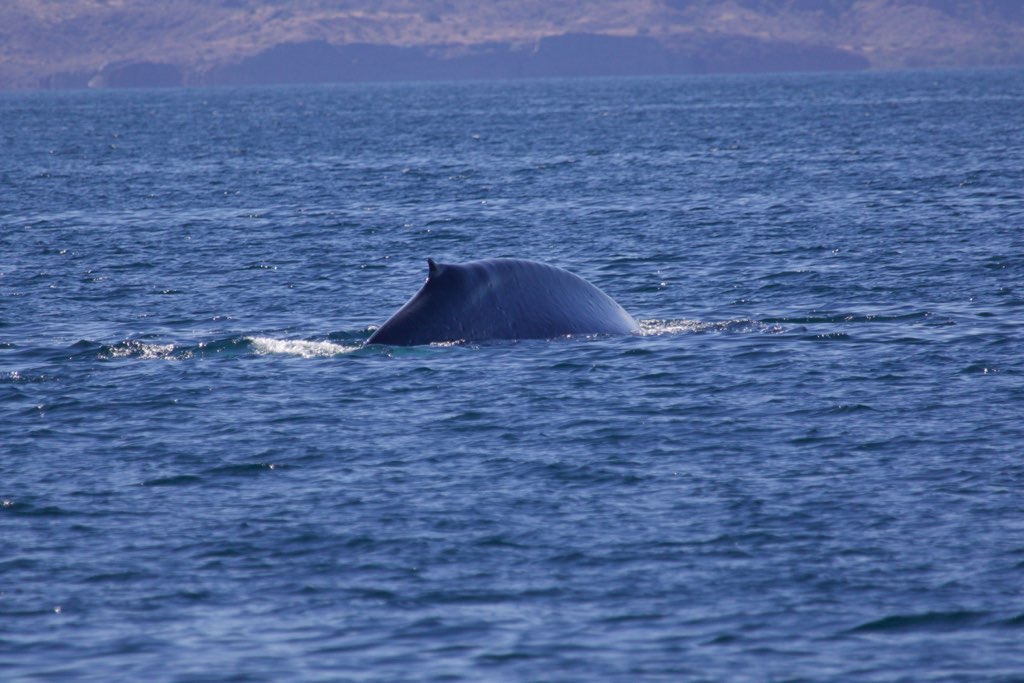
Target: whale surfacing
<point>501,299</point>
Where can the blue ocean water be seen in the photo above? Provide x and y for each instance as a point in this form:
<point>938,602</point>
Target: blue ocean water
<point>807,467</point>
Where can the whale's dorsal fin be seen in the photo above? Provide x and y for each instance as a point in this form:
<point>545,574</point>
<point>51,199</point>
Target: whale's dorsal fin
<point>433,270</point>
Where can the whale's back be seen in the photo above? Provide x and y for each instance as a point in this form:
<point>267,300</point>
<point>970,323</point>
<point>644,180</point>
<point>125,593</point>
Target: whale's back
<point>502,299</point>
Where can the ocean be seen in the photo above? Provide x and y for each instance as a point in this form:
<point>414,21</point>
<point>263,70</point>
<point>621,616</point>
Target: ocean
<point>808,465</point>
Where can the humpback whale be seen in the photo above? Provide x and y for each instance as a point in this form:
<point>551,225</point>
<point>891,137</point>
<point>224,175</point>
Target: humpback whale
<point>501,299</point>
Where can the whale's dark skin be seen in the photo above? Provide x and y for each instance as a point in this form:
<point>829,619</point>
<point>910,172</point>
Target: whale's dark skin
<point>502,299</point>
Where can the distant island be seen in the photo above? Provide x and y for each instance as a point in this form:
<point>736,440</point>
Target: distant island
<point>139,43</point>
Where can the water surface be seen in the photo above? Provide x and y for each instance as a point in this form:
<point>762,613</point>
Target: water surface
<point>807,467</point>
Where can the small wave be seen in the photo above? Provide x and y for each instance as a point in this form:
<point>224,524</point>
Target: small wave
<point>1016,621</point>
<point>132,348</point>
<point>256,345</point>
<point>979,369</point>
<point>17,377</point>
<point>30,510</point>
<point>832,336</point>
<point>243,469</point>
<point>850,408</point>
<point>826,318</point>
<point>178,480</point>
<point>298,347</point>
<point>929,621</point>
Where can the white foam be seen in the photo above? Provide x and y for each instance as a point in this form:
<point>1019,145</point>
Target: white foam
<point>660,327</point>
<point>144,351</point>
<point>657,327</point>
<point>298,347</point>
